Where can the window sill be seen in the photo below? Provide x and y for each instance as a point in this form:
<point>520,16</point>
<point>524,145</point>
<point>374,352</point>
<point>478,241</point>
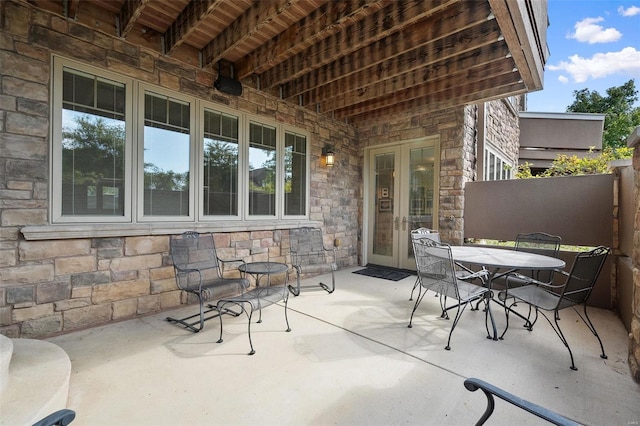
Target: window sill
<point>64,232</point>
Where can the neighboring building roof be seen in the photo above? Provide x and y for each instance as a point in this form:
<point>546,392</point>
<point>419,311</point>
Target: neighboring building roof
<point>545,135</point>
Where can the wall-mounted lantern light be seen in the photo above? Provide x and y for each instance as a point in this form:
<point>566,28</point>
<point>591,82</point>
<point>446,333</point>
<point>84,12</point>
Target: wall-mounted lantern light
<point>329,155</point>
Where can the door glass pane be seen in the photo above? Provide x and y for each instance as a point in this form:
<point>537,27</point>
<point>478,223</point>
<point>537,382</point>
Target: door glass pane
<point>93,145</point>
<point>295,174</point>
<point>220,164</point>
<point>421,190</point>
<point>262,170</point>
<point>166,156</point>
<point>384,170</point>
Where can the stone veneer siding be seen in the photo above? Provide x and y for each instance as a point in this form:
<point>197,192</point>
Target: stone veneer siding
<point>56,285</point>
<point>634,335</point>
<point>502,129</point>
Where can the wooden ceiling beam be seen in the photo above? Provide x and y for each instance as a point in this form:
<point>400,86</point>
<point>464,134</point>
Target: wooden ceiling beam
<point>187,22</point>
<point>323,22</point>
<point>455,20</point>
<point>426,106</point>
<point>464,49</point>
<point>259,15</point>
<point>418,82</point>
<point>374,30</point>
<point>129,14</point>
<point>503,11</point>
<point>420,95</point>
<point>71,8</point>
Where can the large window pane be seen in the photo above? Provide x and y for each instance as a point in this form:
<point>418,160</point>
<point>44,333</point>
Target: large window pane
<point>220,187</point>
<point>166,156</point>
<point>295,174</point>
<point>262,170</point>
<point>93,145</point>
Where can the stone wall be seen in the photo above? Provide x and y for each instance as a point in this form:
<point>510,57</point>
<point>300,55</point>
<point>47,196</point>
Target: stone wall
<point>634,336</point>
<point>502,127</point>
<point>66,282</point>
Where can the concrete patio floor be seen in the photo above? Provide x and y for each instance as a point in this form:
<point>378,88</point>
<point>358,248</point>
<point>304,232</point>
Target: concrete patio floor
<point>349,360</point>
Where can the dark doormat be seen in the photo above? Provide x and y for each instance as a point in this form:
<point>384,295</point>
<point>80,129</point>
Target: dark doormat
<point>385,274</point>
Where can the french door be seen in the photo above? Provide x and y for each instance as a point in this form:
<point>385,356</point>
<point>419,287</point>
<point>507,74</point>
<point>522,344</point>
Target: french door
<point>402,194</point>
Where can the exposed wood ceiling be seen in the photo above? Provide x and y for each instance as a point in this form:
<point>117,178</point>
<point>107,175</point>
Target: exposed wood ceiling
<point>347,59</point>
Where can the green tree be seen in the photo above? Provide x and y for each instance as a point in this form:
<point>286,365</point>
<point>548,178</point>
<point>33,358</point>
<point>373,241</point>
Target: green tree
<point>621,117</point>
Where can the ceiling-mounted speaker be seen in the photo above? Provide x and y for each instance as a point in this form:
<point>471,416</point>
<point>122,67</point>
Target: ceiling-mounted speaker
<point>228,85</point>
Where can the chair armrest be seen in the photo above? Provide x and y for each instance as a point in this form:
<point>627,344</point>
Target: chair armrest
<point>61,417</point>
<point>473,384</point>
<point>222,262</point>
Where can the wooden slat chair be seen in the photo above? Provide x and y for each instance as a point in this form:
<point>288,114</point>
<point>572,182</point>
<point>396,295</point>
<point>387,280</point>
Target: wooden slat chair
<point>309,255</point>
<point>200,271</point>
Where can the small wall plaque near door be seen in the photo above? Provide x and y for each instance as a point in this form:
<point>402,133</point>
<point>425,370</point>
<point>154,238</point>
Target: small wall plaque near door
<point>385,205</point>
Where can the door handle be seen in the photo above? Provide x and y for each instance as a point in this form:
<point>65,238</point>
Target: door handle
<point>396,222</point>
<point>404,223</point>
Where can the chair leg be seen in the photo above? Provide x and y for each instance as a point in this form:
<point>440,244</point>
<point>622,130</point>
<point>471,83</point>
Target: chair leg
<point>418,300</point>
<point>295,290</point>
<point>416,284</point>
<point>286,318</point>
<point>191,325</point>
<point>592,328</point>
<point>455,322</point>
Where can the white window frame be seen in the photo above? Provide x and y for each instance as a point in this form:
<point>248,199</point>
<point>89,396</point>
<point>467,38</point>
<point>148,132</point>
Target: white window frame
<point>193,172</point>
<point>298,132</point>
<point>134,158</point>
<point>55,187</point>
<point>242,162</point>
<point>500,163</point>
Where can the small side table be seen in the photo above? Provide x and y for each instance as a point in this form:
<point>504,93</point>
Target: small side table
<point>260,269</point>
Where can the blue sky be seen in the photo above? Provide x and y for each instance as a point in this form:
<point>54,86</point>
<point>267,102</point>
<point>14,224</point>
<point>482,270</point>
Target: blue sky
<point>594,44</point>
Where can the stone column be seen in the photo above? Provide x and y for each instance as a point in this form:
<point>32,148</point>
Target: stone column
<point>634,336</point>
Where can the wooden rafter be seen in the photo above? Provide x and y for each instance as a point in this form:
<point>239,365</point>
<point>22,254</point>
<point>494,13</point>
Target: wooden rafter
<point>187,22</point>
<point>432,70</point>
<point>421,81</point>
<point>459,49</point>
<point>427,94</point>
<point>373,28</point>
<point>71,8</point>
<point>129,13</point>
<point>457,19</point>
<point>258,15</point>
<point>433,102</point>
<point>321,23</point>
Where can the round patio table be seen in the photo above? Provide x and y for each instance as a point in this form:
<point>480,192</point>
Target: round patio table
<point>500,262</point>
<point>260,269</point>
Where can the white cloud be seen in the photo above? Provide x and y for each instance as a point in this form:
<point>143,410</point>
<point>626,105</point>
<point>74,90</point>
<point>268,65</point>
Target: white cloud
<point>588,31</point>
<point>562,79</point>
<point>630,11</point>
<point>600,65</point>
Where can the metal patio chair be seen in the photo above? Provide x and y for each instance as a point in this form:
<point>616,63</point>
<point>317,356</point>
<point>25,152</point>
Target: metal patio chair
<point>537,243</point>
<point>200,271</point>
<point>577,288</point>
<point>309,255</point>
<point>437,272</point>
<point>417,234</point>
